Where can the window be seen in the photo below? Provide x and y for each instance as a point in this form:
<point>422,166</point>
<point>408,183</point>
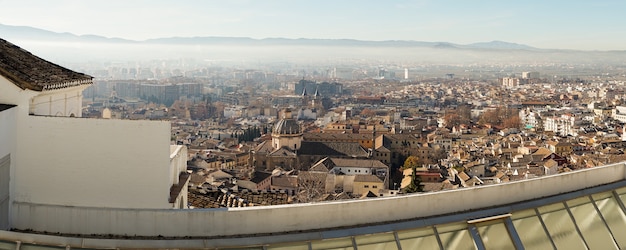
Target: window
<point>374,186</point>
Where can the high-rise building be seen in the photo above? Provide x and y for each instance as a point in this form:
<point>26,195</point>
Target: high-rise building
<point>530,75</point>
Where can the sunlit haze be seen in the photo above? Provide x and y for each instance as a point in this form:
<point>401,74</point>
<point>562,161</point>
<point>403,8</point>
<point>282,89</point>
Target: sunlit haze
<point>581,25</point>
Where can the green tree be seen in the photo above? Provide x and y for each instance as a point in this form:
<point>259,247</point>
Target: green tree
<point>415,185</point>
<point>411,162</point>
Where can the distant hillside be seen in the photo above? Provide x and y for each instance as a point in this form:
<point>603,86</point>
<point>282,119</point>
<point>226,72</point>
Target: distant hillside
<point>9,32</point>
<point>499,45</point>
<point>29,33</point>
<point>73,48</point>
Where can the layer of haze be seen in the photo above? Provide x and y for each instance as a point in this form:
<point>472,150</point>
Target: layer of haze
<point>581,25</point>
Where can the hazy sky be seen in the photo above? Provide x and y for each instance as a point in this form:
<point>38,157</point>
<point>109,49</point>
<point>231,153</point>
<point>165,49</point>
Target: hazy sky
<point>571,24</point>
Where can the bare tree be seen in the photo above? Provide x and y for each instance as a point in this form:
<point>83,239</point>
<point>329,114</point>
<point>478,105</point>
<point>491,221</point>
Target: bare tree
<point>311,186</point>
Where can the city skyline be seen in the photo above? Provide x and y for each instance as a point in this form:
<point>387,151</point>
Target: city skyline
<point>556,24</point>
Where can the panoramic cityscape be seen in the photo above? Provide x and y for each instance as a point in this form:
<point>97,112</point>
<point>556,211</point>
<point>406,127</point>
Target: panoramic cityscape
<point>320,137</point>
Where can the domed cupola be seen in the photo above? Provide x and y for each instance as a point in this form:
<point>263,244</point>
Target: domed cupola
<point>287,132</point>
<point>287,125</point>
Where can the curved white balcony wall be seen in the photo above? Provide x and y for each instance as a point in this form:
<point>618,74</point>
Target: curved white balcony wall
<point>300,217</point>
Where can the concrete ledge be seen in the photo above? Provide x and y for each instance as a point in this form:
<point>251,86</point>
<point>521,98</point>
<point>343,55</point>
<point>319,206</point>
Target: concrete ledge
<point>216,223</point>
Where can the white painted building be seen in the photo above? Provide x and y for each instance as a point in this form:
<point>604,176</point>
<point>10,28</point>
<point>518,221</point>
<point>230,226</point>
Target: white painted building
<point>619,113</point>
<point>49,156</point>
<point>563,125</point>
<point>531,119</point>
<point>530,75</point>
<point>510,81</point>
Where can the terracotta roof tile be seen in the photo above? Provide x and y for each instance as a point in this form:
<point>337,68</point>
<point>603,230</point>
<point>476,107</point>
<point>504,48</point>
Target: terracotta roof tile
<point>28,71</point>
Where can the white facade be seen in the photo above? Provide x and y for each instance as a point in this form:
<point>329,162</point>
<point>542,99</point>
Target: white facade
<point>357,170</point>
<point>530,75</point>
<point>510,81</point>
<point>292,142</point>
<point>7,165</point>
<point>564,125</point>
<point>307,114</point>
<point>73,162</point>
<point>619,113</point>
<point>531,119</point>
<point>50,158</point>
<point>58,102</point>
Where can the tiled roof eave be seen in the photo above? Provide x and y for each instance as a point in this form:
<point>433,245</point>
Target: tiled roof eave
<point>66,85</point>
<point>19,82</point>
<point>31,72</point>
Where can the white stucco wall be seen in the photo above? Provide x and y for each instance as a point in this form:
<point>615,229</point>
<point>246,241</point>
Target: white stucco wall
<point>7,152</point>
<point>271,219</point>
<point>11,94</point>
<point>178,165</point>
<point>7,131</point>
<point>93,162</point>
<point>61,102</point>
<point>289,141</point>
<point>178,162</point>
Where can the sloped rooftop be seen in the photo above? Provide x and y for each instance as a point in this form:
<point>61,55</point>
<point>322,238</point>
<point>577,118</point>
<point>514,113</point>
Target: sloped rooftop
<point>332,149</point>
<point>4,107</point>
<point>28,71</point>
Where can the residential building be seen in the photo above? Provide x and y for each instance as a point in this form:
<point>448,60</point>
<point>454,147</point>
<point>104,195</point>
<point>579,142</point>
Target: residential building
<point>51,156</point>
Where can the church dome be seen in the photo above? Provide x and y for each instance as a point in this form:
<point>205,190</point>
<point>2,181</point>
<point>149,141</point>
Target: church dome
<point>287,126</point>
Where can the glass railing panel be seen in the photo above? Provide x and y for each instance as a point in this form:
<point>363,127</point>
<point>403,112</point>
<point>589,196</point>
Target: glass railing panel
<point>495,235</point>
<point>594,230</point>
<point>7,245</point>
<point>455,236</point>
<point>530,231</point>
<point>420,238</point>
<point>335,244</point>
<point>289,246</point>
<point>384,241</point>
<point>613,215</point>
<point>561,227</point>
<point>38,247</point>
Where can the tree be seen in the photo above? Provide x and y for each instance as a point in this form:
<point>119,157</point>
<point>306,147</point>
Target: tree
<point>415,185</point>
<point>490,116</point>
<point>311,186</point>
<point>411,162</point>
<point>501,116</point>
<point>439,154</point>
<point>464,112</point>
<point>452,120</point>
<point>512,122</point>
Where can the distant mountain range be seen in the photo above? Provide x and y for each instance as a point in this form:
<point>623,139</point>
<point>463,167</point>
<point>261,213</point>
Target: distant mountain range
<point>30,33</point>
<point>74,48</point>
